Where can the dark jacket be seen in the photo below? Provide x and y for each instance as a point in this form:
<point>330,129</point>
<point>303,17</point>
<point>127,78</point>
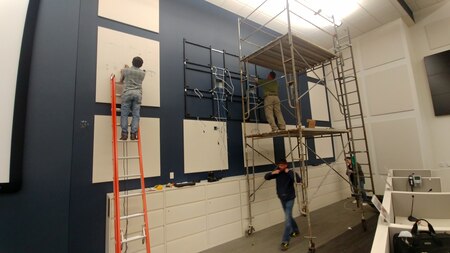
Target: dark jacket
<point>285,184</point>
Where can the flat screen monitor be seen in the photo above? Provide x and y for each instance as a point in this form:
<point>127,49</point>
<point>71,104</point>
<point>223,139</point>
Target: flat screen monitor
<point>438,73</point>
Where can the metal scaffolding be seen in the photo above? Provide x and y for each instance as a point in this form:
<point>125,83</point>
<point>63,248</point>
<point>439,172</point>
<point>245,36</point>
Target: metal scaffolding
<point>293,56</point>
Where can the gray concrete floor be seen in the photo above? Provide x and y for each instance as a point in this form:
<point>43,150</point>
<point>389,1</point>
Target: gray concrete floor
<point>326,223</point>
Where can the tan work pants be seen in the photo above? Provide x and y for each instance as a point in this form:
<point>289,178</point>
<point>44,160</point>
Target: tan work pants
<point>272,108</point>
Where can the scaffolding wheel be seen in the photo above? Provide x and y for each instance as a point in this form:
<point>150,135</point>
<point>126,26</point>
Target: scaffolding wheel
<point>312,248</point>
<point>250,231</point>
<point>364,224</point>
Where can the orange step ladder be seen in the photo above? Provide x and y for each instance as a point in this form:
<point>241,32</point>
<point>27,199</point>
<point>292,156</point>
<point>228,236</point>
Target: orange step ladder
<point>121,237</point>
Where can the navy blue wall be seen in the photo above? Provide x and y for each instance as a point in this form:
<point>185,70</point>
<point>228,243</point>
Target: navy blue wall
<point>58,208</point>
<point>36,218</point>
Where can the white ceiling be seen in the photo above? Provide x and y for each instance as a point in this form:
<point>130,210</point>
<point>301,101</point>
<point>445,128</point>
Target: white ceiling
<point>369,15</point>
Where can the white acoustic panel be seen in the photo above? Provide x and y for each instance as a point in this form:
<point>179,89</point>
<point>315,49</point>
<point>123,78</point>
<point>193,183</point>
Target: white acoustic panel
<point>102,167</point>
<point>318,100</point>
<point>438,33</point>
<point>382,45</point>
<point>205,146</point>
<point>397,145</point>
<point>389,91</point>
<point>263,146</point>
<point>15,12</point>
<point>324,147</point>
<point>140,13</point>
<point>114,51</point>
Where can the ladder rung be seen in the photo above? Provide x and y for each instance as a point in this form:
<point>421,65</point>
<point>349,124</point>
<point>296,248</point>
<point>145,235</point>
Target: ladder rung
<point>128,140</point>
<point>132,216</point>
<point>357,127</point>
<point>358,152</point>
<point>357,139</point>
<point>117,109</point>
<point>354,116</point>
<point>118,95</point>
<point>363,164</point>
<point>134,238</point>
<point>368,190</point>
<point>288,60</point>
<point>130,176</point>
<point>127,157</point>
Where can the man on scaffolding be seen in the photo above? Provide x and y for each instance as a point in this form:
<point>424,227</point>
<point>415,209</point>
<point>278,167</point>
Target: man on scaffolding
<point>272,107</point>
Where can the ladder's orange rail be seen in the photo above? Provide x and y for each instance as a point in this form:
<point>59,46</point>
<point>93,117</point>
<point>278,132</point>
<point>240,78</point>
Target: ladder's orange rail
<point>116,167</point>
<point>144,196</point>
<point>117,234</point>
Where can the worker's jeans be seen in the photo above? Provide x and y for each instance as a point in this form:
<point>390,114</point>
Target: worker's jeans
<point>131,101</point>
<point>289,223</point>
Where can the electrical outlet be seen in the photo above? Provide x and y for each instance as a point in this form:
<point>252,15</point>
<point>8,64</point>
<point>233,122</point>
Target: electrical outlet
<point>171,175</point>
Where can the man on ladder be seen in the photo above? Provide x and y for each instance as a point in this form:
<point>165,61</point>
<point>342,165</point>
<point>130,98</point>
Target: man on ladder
<point>132,78</point>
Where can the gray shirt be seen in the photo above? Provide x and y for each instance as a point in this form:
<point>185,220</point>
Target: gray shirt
<point>133,78</point>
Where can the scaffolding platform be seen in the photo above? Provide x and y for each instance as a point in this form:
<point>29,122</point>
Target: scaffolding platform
<point>270,56</point>
<point>305,132</point>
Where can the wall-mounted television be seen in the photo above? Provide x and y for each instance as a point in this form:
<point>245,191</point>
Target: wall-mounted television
<point>438,72</point>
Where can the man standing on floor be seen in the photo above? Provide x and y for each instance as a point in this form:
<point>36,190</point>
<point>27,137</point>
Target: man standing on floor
<point>356,179</point>
<point>286,193</point>
<point>132,78</point>
<point>272,104</point>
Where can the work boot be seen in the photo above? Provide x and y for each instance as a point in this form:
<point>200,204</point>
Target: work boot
<point>133,136</point>
<point>284,246</point>
<point>124,137</point>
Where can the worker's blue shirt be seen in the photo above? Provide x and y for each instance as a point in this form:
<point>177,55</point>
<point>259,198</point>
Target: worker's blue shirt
<point>285,184</point>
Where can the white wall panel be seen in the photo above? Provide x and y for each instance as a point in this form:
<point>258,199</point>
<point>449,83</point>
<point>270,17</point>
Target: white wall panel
<point>223,203</point>
<point>291,143</point>
<point>397,144</point>
<point>382,45</point>
<point>102,167</point>
<point>438,33</point>
<point>224,234</point>
<point>142,13</point>
<point>318,100</point>
<point>185,228</point>
<point>156,218</point>
<point>323,147</point>
<point>389,90</point>
<point>190,244</point>
<point>205,146</point>
<point>185,212</point>
<point>224,217</point>
<point>264,146</point>
<point>114,50</point>
<point>184,195</point>
<point>219,189</point>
